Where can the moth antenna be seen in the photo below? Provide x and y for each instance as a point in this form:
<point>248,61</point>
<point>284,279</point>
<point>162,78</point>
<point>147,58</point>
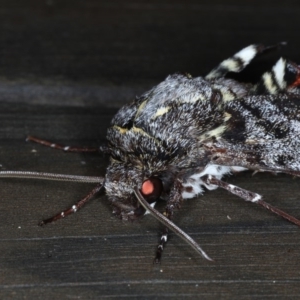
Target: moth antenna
<point>169,224</point>
<point>46,143</point>
<point>50,176</point>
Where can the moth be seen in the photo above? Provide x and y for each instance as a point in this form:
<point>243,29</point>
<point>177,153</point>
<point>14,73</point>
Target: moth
<point>181,137</point>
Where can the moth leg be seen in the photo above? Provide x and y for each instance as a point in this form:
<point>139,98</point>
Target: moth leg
<point>239,60</point>
<point>74,208</point>
<point>169,224</point>
<point>249,196</point>
<point>103,149</point>
<point>161,245</point>
<point>283,76</point>
<point>174,202</point>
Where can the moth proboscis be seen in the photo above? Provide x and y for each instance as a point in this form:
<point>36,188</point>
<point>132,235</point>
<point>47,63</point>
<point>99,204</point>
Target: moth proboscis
<point>186,133</point>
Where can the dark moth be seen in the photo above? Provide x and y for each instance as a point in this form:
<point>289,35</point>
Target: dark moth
<point>186,133</point>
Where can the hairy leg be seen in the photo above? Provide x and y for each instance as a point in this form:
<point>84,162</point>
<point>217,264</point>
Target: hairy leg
<point>74,208</point>
<point>46,143</point>
<point>249,196</point>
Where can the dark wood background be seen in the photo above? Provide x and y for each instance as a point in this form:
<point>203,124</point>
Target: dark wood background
<point>65,67</point>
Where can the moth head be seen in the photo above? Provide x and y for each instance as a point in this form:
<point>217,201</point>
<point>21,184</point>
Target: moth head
<point>120,181</point>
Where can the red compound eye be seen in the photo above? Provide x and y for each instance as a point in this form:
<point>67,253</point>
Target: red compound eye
<point>147,187</point>
<point>152,187</point>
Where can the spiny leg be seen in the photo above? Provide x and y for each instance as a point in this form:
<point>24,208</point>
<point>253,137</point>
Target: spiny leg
<point>239,60</point>
<point>103,149</point>
<point>74,207</point>
<point>174,202</point>
<point>249,196</point>
<point>169,224</point>
<point>160,248</point>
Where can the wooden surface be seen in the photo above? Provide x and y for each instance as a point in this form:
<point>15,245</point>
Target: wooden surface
<point>65,67</point>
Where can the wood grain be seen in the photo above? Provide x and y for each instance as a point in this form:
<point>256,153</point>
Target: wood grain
<point>65,68</point>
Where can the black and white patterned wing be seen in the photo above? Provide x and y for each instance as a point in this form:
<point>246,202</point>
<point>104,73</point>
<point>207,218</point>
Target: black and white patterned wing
<point>262,132</point>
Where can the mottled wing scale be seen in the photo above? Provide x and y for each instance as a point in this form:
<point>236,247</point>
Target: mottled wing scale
<point>263,133</point>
